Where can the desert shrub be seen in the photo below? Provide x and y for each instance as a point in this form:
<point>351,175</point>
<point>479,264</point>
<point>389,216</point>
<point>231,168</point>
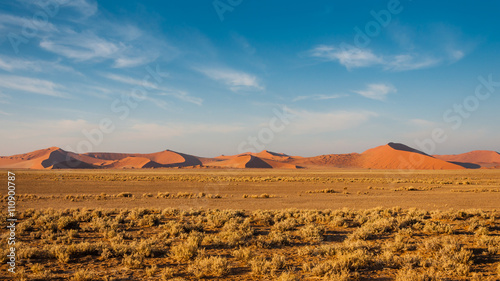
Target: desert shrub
<point>167,273</point>
<point>327,190</point>
<point>285,225</point>
<point>26,226</point>
<point>149,247</point>
<point>67,223</point>
<point>133,261</point>
<point>373,229</point>
<point>274,239</point>
<point>236,233</point>
<point>437,227</point>
<point>151,271</point>
<point>149,220</point>
<point>448,256</point>
<point>209,267</point>
<point>125,194</point>
<point>83,275</point>
<point>244,254</point>
<point>188,249</point>
<point>40,273</point>
<point>312,233</point>
<point>263,266</point>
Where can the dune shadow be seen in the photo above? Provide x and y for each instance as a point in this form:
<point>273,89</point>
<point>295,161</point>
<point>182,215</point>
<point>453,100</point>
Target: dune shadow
<point>467,165</point>
<point>402,147</point>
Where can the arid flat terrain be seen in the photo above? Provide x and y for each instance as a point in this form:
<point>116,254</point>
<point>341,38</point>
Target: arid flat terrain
<point>253,189</point>
<point>256,224</point>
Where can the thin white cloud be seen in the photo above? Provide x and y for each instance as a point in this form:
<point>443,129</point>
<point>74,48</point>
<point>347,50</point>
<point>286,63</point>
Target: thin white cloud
<point>377,91</point>
<point>307,122</point>
<point>130,80</point>
<point>124,62</point>
<point>81,46</point>
<point>4,113</point>
<point>421,122</point>
<point>87,46</point>
<point>86,8</point>
<point>348,56</point>
<point>14,64</point>
<point>317,97</point>
<point>235,80</point>
<point>82,7</point>
<point>11,21</point>
<point>181,95</point>
<point>155,89</point>
<point>32,85</point>
<point>243,43</point>
<point>354,57</point>
<point>409,62</point>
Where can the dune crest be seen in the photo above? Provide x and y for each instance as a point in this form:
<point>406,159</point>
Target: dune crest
<point>400,156</point>
<point>483,158</point>
<point>389,156</point>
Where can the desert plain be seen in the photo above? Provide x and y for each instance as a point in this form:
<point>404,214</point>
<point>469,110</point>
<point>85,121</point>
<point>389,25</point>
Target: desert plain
<point>389,213</point>
<point>257,224</point>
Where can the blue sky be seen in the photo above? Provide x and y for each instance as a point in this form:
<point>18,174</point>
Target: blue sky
<point>222,77</point>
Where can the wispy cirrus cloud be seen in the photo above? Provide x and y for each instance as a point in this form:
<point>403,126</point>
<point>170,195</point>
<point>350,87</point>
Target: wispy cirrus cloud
<point>317,97</point>
<point>13,64</point>
<point>130,80</point>
<point>32,85</point>
<point>181,95</point>
<point>81,46</point>
<point>353,57</point>
<point>84,7</point>
<point>12,21</point>
<point>89,46</point>
<point>421,123</point>
<point>350,57</point>
<point>235,80</point>
<point>155,88</point>
<point>377,91</point>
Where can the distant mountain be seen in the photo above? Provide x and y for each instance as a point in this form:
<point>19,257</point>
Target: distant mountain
<point>389,156</point>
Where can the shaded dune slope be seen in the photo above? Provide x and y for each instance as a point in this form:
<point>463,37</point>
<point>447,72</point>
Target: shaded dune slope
<point>389,156</point>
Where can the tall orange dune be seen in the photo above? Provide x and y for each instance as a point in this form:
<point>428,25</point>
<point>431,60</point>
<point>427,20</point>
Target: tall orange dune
<point>389,156</point>
<point>400,156</point>
<point>241,161</point>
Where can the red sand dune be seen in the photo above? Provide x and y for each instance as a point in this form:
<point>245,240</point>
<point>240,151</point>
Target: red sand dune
<point>250,161</point>
<point>483,158</point>
<point>400,156</point>
<point>133,163</point>
<point>329,161</point>
<point>389,156</point>
<point>50,158</point>
<point>241,161</point>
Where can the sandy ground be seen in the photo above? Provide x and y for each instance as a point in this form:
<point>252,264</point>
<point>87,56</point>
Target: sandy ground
<point>354,189</point>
